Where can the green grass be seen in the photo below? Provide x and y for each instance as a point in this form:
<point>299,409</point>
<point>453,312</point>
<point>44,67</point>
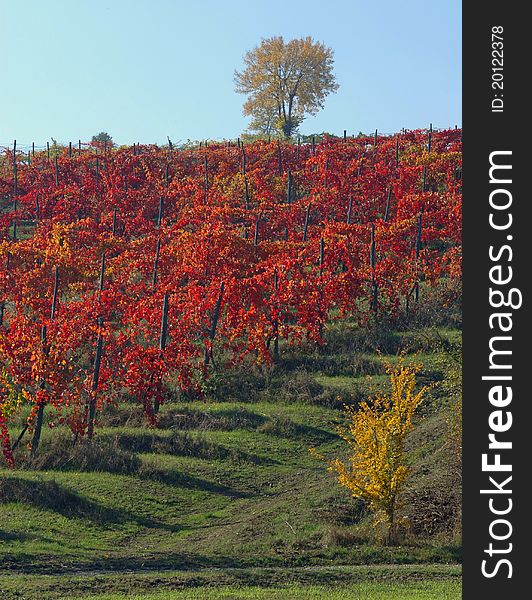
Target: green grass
<point>372,583</point>
<point>228,486</point>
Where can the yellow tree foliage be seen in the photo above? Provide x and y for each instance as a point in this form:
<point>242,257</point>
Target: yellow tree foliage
<point>287,80</point>
<point>376,470</point>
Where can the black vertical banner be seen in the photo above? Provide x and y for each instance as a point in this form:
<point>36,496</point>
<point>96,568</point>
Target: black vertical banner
<point>497,429</point>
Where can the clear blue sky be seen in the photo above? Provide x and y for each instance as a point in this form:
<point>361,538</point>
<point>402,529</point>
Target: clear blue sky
<point>145,69</point>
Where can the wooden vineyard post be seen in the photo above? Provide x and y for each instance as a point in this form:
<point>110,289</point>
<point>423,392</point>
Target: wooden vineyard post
<point>387,209</point>
<point>54,296</point>
<point>247,192</point>
<point>114,221</point>
<point>39,417</point>
<point>48,150</point>
<point>14,231</point>
<point>276,321</point>
<point>40,412</point>
<point>3,303</point>
<point>418,250</point>
<point>57,170</point>
<point>33,148</point>
<point>290,188</point>
<point>322,255</point>
<point>349,210</point>
<point>375,139</point>
<point>429,142</point>
<point>214,324</point>
<point>256,236</point>
<point>206,173</point>
<point>307,221</point>
<point>372,261</point>
<point>243,161</point>
<point>79,146</point>
<point>102,277</point>
<point>95,381</point>
<point>164,324</point>
<point>160,214</point>
<point>69,149</point>
<point>424,181</point>
<point>156,264</point>
<point>15,175</point>
<point>321,286</point>
<point>345,136</point>
<point>313,146</point>
<point>397,152</point>
<point>163,336</point>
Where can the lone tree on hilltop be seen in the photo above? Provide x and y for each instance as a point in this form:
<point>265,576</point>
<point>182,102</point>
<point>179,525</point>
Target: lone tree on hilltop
<point>289,80</point>
<point>102,138</point>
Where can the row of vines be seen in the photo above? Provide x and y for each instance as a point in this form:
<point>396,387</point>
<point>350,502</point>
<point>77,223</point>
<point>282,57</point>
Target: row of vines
<point>120,268</point>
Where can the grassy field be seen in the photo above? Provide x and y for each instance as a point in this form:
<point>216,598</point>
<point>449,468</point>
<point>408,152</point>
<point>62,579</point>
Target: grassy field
<point>368,582</point>
<point>223,499</point>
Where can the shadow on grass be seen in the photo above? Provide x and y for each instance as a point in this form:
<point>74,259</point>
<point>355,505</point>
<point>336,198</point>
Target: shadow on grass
<point>179,479</point>
<point>49,495</point>
<point>184,444</point>
<point>169,561</point>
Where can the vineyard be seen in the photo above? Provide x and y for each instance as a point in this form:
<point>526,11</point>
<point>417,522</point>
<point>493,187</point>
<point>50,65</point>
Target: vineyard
<point>124,270</point>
